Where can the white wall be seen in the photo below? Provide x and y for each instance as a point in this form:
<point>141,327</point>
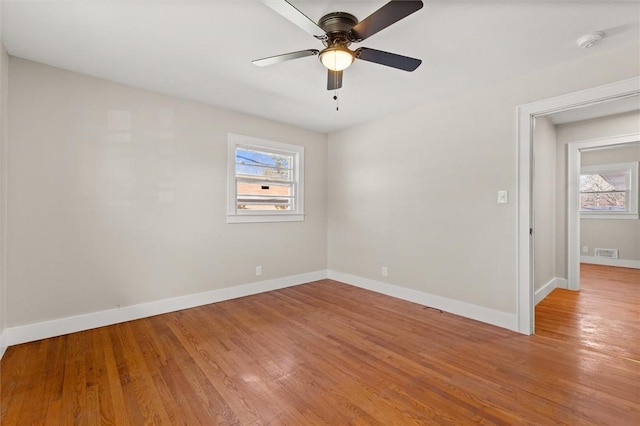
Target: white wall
<point>544,202</point>
<point>90,227</point>
<point>598,128</point>
<point>4,78</point>
<point>417,191</point>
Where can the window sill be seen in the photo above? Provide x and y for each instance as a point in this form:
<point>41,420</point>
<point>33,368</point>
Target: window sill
<point>264,218</point>
<point>632,216</point>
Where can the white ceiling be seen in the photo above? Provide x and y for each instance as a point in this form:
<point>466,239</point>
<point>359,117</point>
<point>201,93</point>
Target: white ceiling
<point>202,49</point>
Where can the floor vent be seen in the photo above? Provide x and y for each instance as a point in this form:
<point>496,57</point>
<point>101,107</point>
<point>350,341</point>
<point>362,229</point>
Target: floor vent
<point>608,253</point>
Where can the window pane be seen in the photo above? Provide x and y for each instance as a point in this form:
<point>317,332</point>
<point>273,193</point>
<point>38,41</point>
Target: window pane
<point>605,181</point>
<point>266,165</point>
<point>604,201</point>
<point>264,196</point>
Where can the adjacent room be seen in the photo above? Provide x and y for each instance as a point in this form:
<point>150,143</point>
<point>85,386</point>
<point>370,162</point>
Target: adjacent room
<point>319,212</point>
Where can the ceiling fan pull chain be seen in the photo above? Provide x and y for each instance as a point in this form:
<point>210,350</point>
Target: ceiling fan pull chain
<point>335,98</point>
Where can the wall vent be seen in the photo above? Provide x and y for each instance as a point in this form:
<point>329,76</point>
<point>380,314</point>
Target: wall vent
<point>608,253</point>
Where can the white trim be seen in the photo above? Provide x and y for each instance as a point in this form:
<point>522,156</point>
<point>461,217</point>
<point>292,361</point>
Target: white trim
<point>463,309</point>
<point>610,216</point>
<point>3,344</point>
<point>546,289</point>
<point>621,263</point>
<point>263,218</point>
<point>573,201</point>
<point>525,115</point>
<point>59,327</point>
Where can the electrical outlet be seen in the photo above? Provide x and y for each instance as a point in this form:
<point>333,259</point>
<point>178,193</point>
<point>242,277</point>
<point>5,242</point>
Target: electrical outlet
<point>385,271</point>
<point>585,249</point>
<point>258,270</point>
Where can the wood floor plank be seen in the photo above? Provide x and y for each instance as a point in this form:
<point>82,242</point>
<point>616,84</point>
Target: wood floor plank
<point>112,377</point>
<point>329,353</point>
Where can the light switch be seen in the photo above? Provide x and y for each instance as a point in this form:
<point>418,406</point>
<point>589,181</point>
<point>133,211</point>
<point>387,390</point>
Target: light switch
<point>503,197</point>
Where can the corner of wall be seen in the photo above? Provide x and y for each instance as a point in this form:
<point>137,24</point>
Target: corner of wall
<point>545,290</point>
<point>4,66</point>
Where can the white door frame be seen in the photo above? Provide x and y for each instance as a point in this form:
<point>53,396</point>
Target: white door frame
<point>525,118</point>
<point>573,193</point>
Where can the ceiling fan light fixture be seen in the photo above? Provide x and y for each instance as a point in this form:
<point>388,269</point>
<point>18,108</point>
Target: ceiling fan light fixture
<point>336,58</point>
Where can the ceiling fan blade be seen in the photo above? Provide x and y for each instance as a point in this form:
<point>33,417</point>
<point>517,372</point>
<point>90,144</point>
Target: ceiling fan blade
<point>334,80</point>
<point>284,57</point>
<point>389,59</point>
<point>387,15</point>
<point>289,11</point>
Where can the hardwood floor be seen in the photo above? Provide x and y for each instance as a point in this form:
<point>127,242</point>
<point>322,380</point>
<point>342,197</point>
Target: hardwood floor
<point>329,353</point>
<point>603,316</point>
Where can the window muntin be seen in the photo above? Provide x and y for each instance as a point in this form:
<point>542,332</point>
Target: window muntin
<point>265,180</point>
<point>609,190</point>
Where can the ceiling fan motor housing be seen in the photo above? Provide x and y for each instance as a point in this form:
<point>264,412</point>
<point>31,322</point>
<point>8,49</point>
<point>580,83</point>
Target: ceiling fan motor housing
<point>337,26</point>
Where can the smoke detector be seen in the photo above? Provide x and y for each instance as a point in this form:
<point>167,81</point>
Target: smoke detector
<point>588,40</point>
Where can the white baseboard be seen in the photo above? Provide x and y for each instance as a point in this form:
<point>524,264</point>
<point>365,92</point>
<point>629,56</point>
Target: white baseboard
<point>546,289</point>
<point>59,327</point>
<point>621,263</point>
<point>463,309</point>
<point>3,343</point>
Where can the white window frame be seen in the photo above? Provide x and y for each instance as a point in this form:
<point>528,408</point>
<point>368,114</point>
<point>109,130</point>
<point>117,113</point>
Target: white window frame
<point>235,215</point>
<point>632,199</point>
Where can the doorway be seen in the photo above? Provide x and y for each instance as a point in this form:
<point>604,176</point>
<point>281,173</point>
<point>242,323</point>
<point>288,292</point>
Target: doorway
<point>574,224</point>
<point>596,102</point>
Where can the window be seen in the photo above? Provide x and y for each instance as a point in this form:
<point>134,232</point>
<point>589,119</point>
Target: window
<point>265,181</point>
<point>609,191</point>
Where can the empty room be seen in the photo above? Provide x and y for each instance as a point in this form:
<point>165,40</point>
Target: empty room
<point>296,212</point>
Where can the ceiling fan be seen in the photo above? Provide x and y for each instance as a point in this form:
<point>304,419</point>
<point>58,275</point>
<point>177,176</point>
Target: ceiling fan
<point>337,30</point>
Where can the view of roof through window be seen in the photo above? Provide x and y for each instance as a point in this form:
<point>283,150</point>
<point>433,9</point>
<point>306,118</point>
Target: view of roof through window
<point>604,191</point>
